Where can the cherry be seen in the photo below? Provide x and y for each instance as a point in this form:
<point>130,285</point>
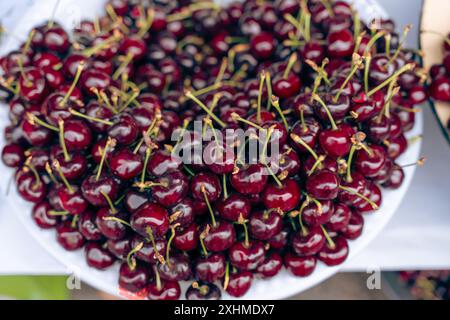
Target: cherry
<point>262,45</point>
<point>56,39</point>
<point>313,51</point>
<point>147,252</point>
<point>77,135</point>
<point>336,143</point>
<point>42,215</point>
<point>340,43</point>
<point>335,253</point>
<point>265,225</point>
<point>220,237</point>
<point>94,189</point>
<point>309,243</point>
<point>233,206</point>
<point>249,180</point>
<point>440,89</point>
<point>72,200</point>
<point>151,219</point>
<point>340,218</point>
<point>124,130</point>
<point>284,197</point>
<point>280,240</point>
<point>356,185</point>
<point>203,291</point>
<point>125,164</point>
<point>187,238</point>
<point>133,279</point>
<point>120,248</point>
<point>183,212</point>
<point>29,186</point>
<point>317,213</point>
<point>299,266</point>
<point>365,107</point>
<point>97,256</point>
<point>373,194</point>
<point>94,110</point>
<point>239,283</point>
<point>170,188</point>
<point>168,290</point>
<point>110,223</point>
<point>308,133</point>
<point>370,163</point>
<point>395,178</point>
<point>323,185</point>
<point>176,268</point>
<point>87,226</point>
<point>247,256</point>
<point>210,268</point>
<point>286,87</point>
<point>94,79</point>
<point>13,155</point>
<point>69,237</point>
<point>354,228</point>
<point>271,265</point>
<point>205,185</point>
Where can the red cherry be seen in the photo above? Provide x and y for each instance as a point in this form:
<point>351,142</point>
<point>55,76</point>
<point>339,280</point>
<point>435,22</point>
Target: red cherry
<point>299,266</point>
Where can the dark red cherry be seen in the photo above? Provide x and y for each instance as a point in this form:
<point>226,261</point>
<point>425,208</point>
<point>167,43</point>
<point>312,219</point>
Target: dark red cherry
<point>299,266</point>
<point>249,180</point>
<point>335,143</point>
<point>309,133</point>
<point>93,189</point>
<point>56,40</point>
<point>33,85</point>
<point>94,79</point>
<point>125,164</point>
<point>365,107</point>
<point>41,215</point>
<point>176,268</point>
<point>69,237</point>
<point>219,158</point>
<point>395,179</point>
<point>220,237</point>
<point>285,197</point>
<point>169,290</point>
<point>203,291</point>
<point>186,239</point>
<point>323,185</point>
<point>183,212</point>
<point>373,193</point>
<point>310,243</point>
<point>29,188</point>
<point>98,111</point>
<point>340,43</point>
<point>98,257</point>
<point>134,279</point>
<point>72,169</point>
<point>120,248</point>
<point>239,283</point>
<point>111,229</point>
<point>356,185</point>
<point>354,228</point>
<point>233,207</point>
<point>210,268</point>
<point>207,182</point>
<point>247,256</point>
<point>162,162</point>
<point>440,89</point>
<point>381,68</point>
<point>370,164</point>
<point>313,51</point>
<point>13,155</point>
<point>263,45</point>
<point>287,87</point>
<point>134,46</point>
<point>396,146</point>
<point>150,218</point>
<point>88,227</point>
<point>173,189</point>
<point>333,255</point>
<point>313,215</point>
<point>340,218</point>
<point>338,109</point>
<point>147,252</point>
<point>77,135</point>
<point>280,240</point>
<point>271,265</point>
<point>134,200</point>
<point>124,130</point>
<point>72,200</point>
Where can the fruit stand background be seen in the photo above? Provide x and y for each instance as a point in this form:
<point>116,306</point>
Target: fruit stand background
<point>418,237</point>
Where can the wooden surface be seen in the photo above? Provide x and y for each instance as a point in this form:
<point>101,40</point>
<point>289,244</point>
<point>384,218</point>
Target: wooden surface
<point>436,18</point>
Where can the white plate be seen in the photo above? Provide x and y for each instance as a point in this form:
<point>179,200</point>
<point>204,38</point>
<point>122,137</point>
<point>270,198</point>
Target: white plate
<point>279,287</point>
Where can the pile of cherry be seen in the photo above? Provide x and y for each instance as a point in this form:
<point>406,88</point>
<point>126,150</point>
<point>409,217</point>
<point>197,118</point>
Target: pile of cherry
<point>92,119</point>
<point>440,77</point>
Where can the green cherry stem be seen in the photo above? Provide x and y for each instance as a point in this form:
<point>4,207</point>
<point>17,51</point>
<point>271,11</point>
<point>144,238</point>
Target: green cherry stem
<point>262,78</point>
<point>373,204</point>
<point>300,141</point>
<point>189,95</point>
<point>322,103</point>
<point>211,212</point>
<point>110,203</point>
<point>73,85</point>
<point>61,175</point>
<point>62,141</point>
<point>131,261</point>
<point>330,241</point>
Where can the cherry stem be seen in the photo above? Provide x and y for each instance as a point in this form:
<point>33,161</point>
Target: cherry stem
<point>226,280</point>
<point>156,120</point>
<point>37,177</point>
<point>420,163</point>
<point>126,61</point>
<point>100,46</point>
<point>82,115</point>
<point>274,176</point>
<point>237,117</point>
<point>320,70</point>
<point>330,117</point>
<point>73,85</point>
<point>61,175</point>
<point>328,7</point>
<point>26,47</point>
<point>58,213</point>
<point>148,152</point>
<point>242,222</point>
<point>372,41</point>
<point>356,64</point>
<point>189,171</point>
<point>157,278</point>
<point>302,118</point>
<point>392,92</point>
<point>405,68</point>
<point>224,182</point>
<point>276,105</point>
<point>75,218</point>
<point>110,203</point>
<point>402,42</point>
<point>303,229</point>
<point>117,220</point>
<point>202,243</point>
<point>316,164</point>
<point>373,204</point>
<point>104,151</point>
<point>269,89</point>
<point>169,243</point>
<point>223,68</point>
<point>207,89</point>
<point>349,163</point>
<point>262,78</point>
<point>356,24</point>
<point>33,119</point>
<point>211,212</point>
<point>368,60</point>
<point>387,40</point>
<point>28,82</point>
<point>50,173</point>
<point>189,95</point>
<point>131,261</point>
<point>148,23</point>
<point>62,141</point>
<point>330,241</point>
<point>269,133</point>
<point>299,140</point>
<point>152,239</point>
<point>292,60</point>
